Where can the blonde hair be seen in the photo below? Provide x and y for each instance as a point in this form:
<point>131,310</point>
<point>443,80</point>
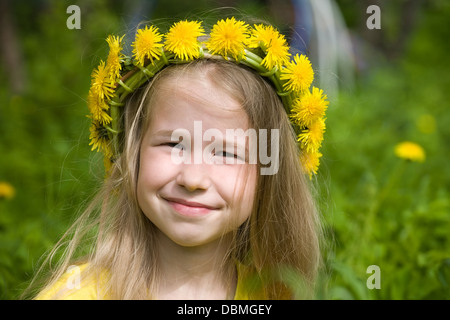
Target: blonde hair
<point>282,232</point>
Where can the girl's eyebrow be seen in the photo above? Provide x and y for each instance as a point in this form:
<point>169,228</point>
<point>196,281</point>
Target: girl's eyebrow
<point>163,133</point>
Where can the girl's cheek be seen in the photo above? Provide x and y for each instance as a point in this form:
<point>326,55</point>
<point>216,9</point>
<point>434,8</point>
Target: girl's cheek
<point>235,179</point>
<point>155,165</point>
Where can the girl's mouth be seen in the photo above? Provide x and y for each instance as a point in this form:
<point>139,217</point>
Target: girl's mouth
<point>189,208</point>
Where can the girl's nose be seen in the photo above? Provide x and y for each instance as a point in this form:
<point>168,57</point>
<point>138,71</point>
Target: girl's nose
<point>193,177</point>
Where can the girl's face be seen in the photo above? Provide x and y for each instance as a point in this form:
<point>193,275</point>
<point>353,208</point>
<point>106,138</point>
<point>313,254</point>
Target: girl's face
<point>195,201</point>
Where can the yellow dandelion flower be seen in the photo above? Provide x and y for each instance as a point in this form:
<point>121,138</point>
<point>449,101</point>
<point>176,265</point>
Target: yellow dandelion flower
<point>115,55</point>
<point>147,45</point>
<point>101,84</point>
<point>410,151</point>
<point>310,162</point>
<point>311,138</point>
<point>272,43</point>
<point>99,139</point>
<point>7,191</point>
<point>309,107</point>
<point>298,73</point>
<point>228,38</point>
<point>182,39</point>
<point>98,108</point>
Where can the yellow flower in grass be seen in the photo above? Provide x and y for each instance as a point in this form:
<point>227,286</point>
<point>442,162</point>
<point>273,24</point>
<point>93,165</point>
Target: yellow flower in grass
<point>311,138</point>
<point>147,45</point>
<point>298,73</point>
<point>272,43</point>
<point>101,84</point>
<point>115,55</point>
<point>99,139</point>
<point>98,108</point>
<point>310,162</point>
<point>182,39</point>
<point>309,107</point>
<point>228,38</point>
<point>7,191</point>
<point>410,151</point>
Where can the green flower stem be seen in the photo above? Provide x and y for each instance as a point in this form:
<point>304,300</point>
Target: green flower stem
<point>113,130</point>
<point>254,61</point>
<point>387,189</point>
<point>138,78</point>
<point>286,97</point>
<point>124,86</point>
<point>381,197</point>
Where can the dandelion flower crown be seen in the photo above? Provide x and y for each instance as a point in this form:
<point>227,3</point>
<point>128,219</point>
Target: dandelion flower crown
<point>260,47</point>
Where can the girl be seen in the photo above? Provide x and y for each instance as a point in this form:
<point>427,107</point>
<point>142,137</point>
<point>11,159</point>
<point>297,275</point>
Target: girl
<point>210,226</point>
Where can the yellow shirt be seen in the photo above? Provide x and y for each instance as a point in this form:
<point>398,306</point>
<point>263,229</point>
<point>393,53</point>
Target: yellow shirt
<point>68,288</point>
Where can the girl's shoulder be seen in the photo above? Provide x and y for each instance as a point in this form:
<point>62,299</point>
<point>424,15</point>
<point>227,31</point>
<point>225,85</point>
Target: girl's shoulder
<point>75,284</point>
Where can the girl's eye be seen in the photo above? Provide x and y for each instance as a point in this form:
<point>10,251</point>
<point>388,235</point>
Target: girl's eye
<point>225,154</point>
<point>172,145</point>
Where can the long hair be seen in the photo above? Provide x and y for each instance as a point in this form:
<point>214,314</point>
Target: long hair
<point>282,233</point>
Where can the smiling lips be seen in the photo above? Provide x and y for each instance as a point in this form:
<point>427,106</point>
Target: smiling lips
<point>188,208</point>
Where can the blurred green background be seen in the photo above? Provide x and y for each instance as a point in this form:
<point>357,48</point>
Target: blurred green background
<point>385,86</point>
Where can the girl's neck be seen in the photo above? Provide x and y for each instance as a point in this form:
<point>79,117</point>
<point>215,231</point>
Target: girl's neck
<point>200,272</point>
